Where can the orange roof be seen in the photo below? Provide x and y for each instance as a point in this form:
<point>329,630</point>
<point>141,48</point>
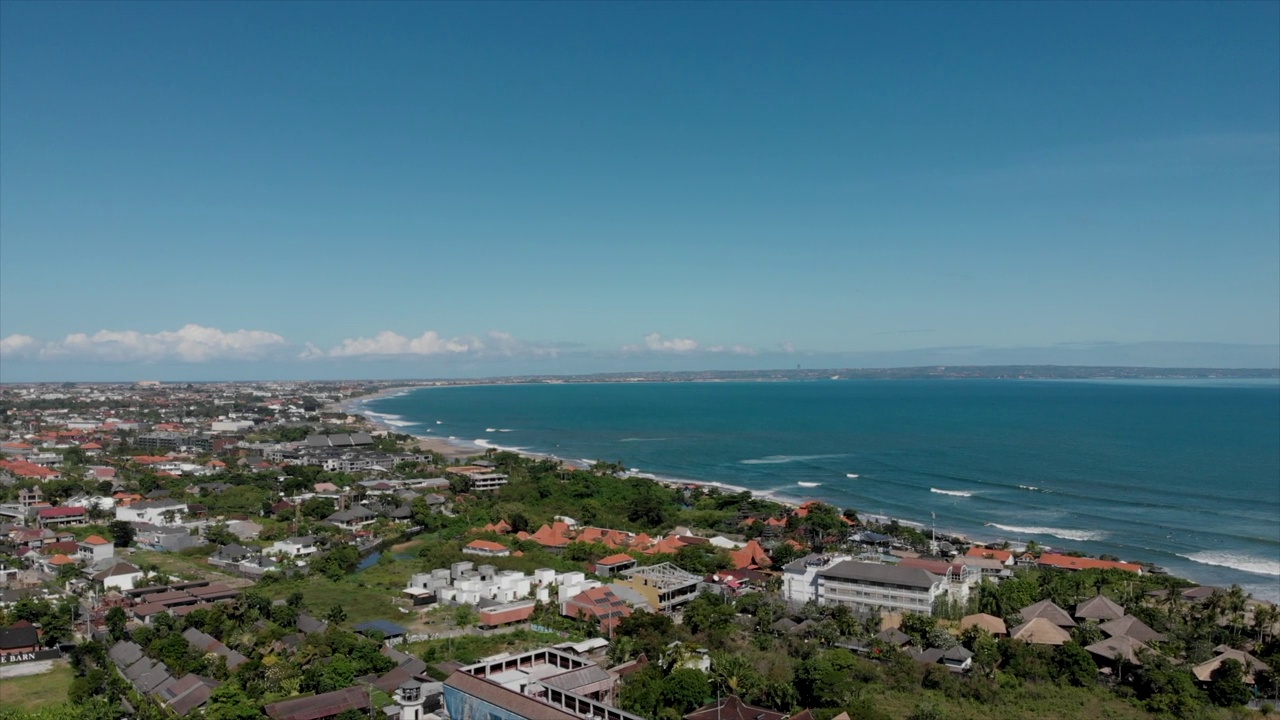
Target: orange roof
<point>61,559</point>
<point>487,546</point>
<point>1067,562</point>
<point>551,535</point>
<point>215,463</point>
<point>667,545</point>
<point>150,459</point>
<point>95,540</point>
<point>615,559</point>
<point>17,445</point>
<point>91,446</point>
<point>753,555</point>
<point>1003,556</point>
<point>22,468</point>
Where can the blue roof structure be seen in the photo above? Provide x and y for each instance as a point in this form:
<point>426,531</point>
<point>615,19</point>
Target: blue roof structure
<point>386,627</point>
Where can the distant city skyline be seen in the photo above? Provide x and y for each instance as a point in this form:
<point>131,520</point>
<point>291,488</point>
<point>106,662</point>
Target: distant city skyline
<point>286,190</point>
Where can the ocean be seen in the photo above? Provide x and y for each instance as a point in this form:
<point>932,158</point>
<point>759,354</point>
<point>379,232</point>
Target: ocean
<point>1182,474</point>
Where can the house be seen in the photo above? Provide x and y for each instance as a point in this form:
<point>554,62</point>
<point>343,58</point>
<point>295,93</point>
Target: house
<point>206,644</point>
<point>486,547</point>
<point>1100,608</point>
<point>1130,626</point>
<point>1040,631</point>
<point>353,518</point>
<point>153,512</point>
<point>1004,557</point>
<point>320,707</point>
<point>119,575</point>
<point>95,548</point>
<point>59,516</point>
<point>1069,562</point>
<point>614,564</point>
<point>484,482</point>
<point>598,605</point>
<point>165,538</point>
<point>392,634</point>
<point>1204,671</point>
<point>186,694</point>
<point>18,640</point>
<point>983,621</point>
<point>1126,649</point>
<point>1047,610</point>
<point>298,548</point>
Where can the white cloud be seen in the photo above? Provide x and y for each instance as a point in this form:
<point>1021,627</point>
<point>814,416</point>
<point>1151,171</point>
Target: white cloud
<point>190,343</point>
<point>656,343</point>
<point>388,343</point>
<point>19,346</point>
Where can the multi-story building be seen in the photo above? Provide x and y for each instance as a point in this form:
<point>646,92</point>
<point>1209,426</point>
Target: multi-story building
<point>664,586</point>
<point>800,577</point>
<point>872,587</point>
<point>543,684</point>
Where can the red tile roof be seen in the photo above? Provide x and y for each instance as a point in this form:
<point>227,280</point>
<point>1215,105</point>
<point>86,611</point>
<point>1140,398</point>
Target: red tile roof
<point>487,546</point>
<point>1003,556</point>
<point>1067,562</point>
<point>60,512</point>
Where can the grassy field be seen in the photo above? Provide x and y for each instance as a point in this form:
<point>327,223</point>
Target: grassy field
<point>35,691</point>
<point>185,567</point>
<point>319,594</point>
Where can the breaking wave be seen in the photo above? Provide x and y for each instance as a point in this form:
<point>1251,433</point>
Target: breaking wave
<point>954,493</point>
<point>1237,561</point>
<point>808,484</point>
<point>1065,534</point>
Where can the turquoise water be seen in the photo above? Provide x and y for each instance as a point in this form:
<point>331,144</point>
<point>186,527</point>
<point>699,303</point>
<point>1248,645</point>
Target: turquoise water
<point>1185,475</point>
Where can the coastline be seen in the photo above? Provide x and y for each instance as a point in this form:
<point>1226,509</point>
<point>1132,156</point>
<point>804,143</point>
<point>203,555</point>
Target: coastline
<point>455,447</point>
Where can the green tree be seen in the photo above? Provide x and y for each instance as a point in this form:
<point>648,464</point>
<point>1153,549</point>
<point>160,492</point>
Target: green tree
<point>1226,686</point>
<point>116,622</point>
<point>465,616</point>
<point>1075,665</point>
<point>121,533</point>
<point>336,614</point>
<point>684,690</point>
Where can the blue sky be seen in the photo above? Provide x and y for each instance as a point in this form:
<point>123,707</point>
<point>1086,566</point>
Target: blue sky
<point>209,190</point>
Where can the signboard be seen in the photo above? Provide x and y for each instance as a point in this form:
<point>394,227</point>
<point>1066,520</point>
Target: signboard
<point>32,656</point>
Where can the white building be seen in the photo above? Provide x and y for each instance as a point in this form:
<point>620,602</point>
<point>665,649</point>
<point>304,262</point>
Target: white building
<point>298,548</point>
<point>800,577</point>
<point>872,587</point>
<point>153,512</point>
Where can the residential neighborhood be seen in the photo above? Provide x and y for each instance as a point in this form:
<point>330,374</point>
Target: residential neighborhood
<point>259,550</point>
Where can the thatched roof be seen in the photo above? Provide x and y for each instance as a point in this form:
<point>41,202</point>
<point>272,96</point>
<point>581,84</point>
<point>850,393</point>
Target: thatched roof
<point>1120,646</point>
<point>1040,632</point>
<point>1047,610</point>
<point>1204,671</point>
<point>1100,608</point>
<point>990,623</point>
<point>1130,626</point>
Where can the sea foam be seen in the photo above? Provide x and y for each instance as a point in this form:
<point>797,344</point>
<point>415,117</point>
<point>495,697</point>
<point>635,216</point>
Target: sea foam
<point>954,493</point>
<point>779,459</point>
<point>808,484</point>
<point>1065,534</point>
<point>851,476</point>
<point>1237,561</point>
